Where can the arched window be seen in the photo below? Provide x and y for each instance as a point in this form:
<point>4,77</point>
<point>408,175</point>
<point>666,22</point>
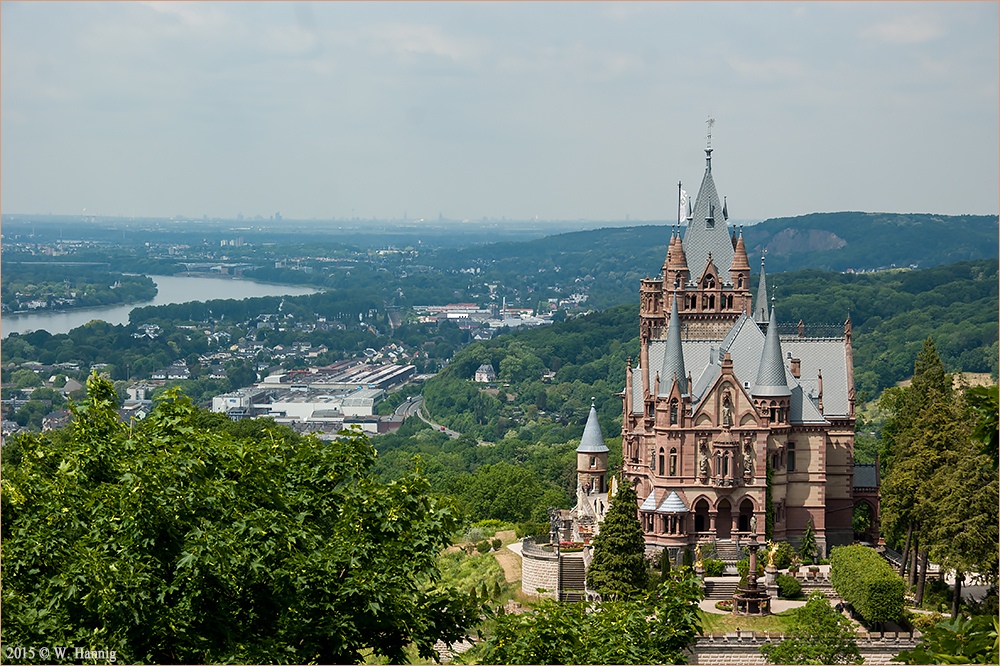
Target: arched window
<point>593,461</point>
<point>709,282</point>
<point>725,465</point>
<point>673,462</point>
<point>791,457</point>
<point>661,462</point>
<point>673,412</point>
<point>739,281</point>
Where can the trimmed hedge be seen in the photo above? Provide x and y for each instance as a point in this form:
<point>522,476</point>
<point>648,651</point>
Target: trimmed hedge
<point>867,583</point>
<point>788,587</point>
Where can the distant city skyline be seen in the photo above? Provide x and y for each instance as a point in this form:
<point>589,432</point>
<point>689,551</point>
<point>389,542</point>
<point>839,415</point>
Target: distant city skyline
<point>559,111</point>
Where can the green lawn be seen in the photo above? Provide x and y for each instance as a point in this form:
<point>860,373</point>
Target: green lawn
<point>713,623</point>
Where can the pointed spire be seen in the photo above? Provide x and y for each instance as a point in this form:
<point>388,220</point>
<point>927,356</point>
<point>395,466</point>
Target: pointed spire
<point>740,261</point>
<point>760,303</point>
<point>593,439</point>
<point>673,355</point>
<point>771,379</point>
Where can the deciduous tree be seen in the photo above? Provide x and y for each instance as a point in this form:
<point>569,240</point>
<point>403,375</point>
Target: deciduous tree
<point>181,544</point>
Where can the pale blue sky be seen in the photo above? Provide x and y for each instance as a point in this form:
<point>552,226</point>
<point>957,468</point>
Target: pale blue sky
<point>561,110</point>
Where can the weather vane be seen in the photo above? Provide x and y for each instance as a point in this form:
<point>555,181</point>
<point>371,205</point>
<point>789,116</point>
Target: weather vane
<point>710,122</point>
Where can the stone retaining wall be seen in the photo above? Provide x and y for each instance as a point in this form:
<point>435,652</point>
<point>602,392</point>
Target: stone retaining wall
<point>744,647</point>
<point>539,569</point>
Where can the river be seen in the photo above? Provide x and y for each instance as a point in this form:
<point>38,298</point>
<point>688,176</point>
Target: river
<point>170,289</point>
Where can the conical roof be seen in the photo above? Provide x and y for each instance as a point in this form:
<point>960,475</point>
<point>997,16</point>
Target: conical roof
<point>740,261</point>
<point>673,356</point>
<point>673,504</point>
<point>760,303</point>
<point>707,234</point>
<point>593,439</point>
<point>771,379</point>
<point>650,503</point>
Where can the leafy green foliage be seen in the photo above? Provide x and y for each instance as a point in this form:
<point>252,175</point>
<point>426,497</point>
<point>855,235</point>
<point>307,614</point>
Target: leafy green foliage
<point>618,570</point>
<point>783,555</point>
<point>819,635</point>
<point>713,566</point>
<point>938,478</point>
<point>867,582</point>
<point>59,287</point>
<point>788,587</point>
<point>170,542</point>
<point>653,628</point>
<point>957,641</point>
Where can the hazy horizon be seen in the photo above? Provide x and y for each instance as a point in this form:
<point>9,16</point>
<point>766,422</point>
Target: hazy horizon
<point>569,112</point>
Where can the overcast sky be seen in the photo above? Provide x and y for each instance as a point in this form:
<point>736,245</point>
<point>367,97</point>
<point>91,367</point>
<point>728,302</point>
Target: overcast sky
<point>558,110</point>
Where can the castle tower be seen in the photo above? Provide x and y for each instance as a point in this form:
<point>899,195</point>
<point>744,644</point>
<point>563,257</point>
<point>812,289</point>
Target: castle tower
<point>720,399</point>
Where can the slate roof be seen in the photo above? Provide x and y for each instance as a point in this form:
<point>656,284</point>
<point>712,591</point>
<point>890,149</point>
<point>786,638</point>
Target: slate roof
<point>673,358</point>
<point>760,303</point>
<point>865,476</point>
<point>772,380</point>
<point>745,343</point>
<point>700,240</point>
<point>673,504</point>
<point>593,439</point>
<point>650,503</point>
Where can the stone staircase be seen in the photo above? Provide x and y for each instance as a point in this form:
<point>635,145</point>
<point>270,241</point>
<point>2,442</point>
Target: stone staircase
<point>721,588</point>
<point>727,551</point>
<point>572,577</point>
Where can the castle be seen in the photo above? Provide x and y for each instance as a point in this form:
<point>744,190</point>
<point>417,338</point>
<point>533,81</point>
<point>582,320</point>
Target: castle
<point>723,395</point>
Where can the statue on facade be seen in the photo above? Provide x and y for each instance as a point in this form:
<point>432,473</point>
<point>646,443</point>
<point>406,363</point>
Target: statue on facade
<point>727,411</point>
<point>748,458</point>
<point>753,524</point>
<point>703,465</point>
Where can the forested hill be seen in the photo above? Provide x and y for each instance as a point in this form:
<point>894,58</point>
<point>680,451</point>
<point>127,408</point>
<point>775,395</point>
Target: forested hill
<point>892,313</point>
<point>865,241</point>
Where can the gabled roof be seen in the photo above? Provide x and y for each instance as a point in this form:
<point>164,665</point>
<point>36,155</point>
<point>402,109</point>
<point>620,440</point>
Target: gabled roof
<point>593,439</point>
<point>700,239</point>
<point>673,504</point>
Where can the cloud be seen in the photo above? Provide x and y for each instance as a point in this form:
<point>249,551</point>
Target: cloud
<point>769,70</point>
<point>912,29</point>
<point>410,39</point>
<point>577,62</point>
<point>197,15</point>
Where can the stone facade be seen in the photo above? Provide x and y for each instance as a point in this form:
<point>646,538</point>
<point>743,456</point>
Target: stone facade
<point>722,392</point>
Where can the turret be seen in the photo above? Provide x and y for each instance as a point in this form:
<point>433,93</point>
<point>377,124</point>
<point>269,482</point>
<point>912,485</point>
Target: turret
<point>592,457</point>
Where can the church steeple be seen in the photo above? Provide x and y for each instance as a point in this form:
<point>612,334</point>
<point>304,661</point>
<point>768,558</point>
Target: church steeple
<point>760,303</point>
<point>673,356</point>
<point>771,379</point>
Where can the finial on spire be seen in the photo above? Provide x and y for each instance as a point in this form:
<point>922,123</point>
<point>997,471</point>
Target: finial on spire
<point>708,151</point>
<point>592,401</point>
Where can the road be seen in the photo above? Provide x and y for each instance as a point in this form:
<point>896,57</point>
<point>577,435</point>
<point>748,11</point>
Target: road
<point>414,405</point>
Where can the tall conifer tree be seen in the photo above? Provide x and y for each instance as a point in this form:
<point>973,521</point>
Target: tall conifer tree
<point>618,569</point>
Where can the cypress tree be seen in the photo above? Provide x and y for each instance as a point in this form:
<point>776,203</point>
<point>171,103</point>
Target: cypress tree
<point>618,570</point>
